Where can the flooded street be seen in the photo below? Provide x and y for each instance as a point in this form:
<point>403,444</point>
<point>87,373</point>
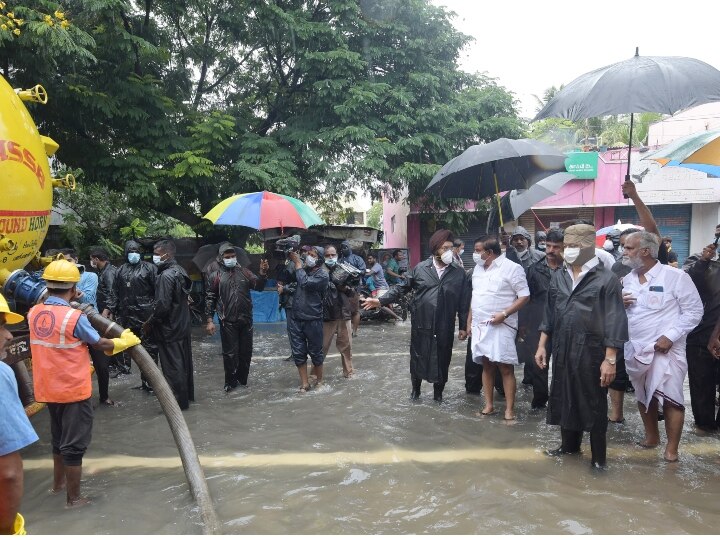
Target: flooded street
<point>358,457</point>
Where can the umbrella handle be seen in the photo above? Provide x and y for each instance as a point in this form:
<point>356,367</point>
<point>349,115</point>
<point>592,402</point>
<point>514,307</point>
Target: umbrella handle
<point>497,197</point>
<point>627,174</point>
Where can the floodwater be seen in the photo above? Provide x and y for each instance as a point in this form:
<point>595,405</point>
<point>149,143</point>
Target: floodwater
<point>357,457</point>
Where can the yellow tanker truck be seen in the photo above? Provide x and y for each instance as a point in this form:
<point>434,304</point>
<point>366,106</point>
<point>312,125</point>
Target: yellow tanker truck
<point>27,191</point>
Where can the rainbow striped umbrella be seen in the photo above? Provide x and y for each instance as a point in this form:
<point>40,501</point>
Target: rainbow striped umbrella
<point>699,151</point>
<point>264,210</point>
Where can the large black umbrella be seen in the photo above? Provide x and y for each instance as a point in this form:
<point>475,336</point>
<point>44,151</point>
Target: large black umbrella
<point>664,84</point>
<point>209,252</point>
<point>487,169</point>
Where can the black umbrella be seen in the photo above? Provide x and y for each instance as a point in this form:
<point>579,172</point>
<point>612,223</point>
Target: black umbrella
<point>504,164</point>
<point>664,84</point>
<point>487,169</point>
<point>209,252</point>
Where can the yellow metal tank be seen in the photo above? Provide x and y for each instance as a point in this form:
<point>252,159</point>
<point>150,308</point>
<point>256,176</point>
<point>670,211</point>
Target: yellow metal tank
<point>27,187</point>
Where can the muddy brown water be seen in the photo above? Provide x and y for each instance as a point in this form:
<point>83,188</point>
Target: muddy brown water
<point>357,457</point>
